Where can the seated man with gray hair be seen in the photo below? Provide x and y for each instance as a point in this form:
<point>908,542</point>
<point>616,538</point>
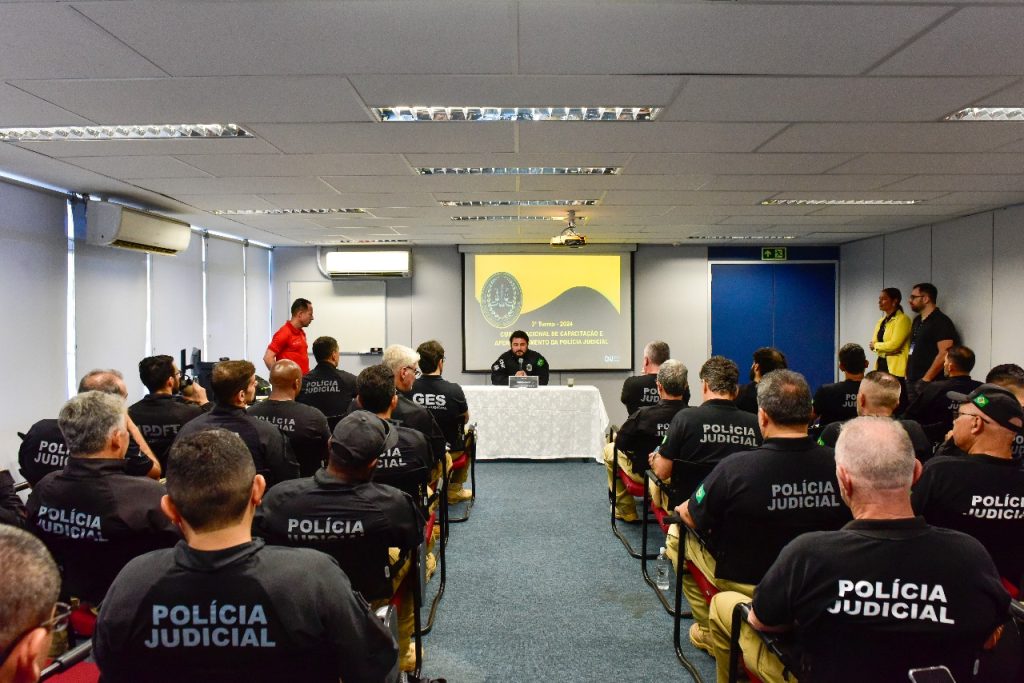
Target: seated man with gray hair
<point>29,611</point>
<point>755,502</point>
<point>642,432</point>
<point>885,594</point>
<point>92,515</point>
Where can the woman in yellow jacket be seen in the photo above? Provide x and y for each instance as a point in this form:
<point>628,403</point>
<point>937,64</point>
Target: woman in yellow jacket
<point>891,340</point>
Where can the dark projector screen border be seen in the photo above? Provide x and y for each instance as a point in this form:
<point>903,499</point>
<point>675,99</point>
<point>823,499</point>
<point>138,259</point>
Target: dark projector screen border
<point>577,308</point>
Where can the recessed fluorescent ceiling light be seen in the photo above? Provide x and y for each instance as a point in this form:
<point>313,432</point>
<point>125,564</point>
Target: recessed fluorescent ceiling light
<point>509,218</point>
<point>839,202</point>
<point>741,237</point>
<point>281,212</point>
<point>523,202</point>
<point>126,132</point>
<point>402,113</point>
<point>522,170</point>
<point>987,114</point>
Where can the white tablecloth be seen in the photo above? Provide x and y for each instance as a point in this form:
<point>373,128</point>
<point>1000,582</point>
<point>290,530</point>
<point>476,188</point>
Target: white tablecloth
<point>547,422</point>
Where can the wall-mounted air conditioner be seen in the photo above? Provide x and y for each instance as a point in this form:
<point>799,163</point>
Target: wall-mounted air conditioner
<point>367,264</point>
<point>113,225</point>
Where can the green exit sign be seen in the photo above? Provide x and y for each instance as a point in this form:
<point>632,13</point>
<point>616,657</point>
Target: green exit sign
<point>773,254</point>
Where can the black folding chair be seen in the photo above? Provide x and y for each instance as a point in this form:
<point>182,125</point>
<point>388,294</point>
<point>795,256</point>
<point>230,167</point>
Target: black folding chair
<point>634,489</point>
<point>739,616</point>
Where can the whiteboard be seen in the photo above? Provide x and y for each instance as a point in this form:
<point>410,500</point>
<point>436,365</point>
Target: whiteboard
<point>353,312</point>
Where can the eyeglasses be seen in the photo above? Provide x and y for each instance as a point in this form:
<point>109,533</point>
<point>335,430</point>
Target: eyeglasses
<point>410,368</point>
<point>960,414</point>
<point>916,296</point>
<point>55,624</point>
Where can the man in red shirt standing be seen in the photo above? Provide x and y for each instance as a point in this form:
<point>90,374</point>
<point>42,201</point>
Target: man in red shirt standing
<point>289,342</point>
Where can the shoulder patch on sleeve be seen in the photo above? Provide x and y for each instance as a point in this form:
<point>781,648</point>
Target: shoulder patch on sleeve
<point>699,494</point>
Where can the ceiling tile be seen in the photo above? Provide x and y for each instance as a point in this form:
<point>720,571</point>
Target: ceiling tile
<point>683,37</point>
<point>256,38</point>
<point>91,148</point>
<point>223,186</point>
<point>284,165</point>
<point>599,183</point>
<point>19,109</point>
<point>53,40</point>
<point>613,197</point>
<point>728,164</point>
<point>394,137</point>
<point>892,137</point>
<point>953,183</point>
<point>796,183</point>
<point>418,183</point>
<point>974,41</point>
<point>236,99</point>
<point>622,136</point>
<point>139,167</point>
<point>934,163</point>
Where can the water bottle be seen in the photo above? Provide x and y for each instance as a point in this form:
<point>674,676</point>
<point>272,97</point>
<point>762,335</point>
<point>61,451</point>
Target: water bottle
<point>662,570</point>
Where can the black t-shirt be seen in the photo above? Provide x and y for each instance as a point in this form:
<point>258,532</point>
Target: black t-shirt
<point>159,417</point>
<point>406,466</point>
<point>304,426</point>
<point>94,518</point>
<point>43,450</point>
<point>746,399</point>
<point>921,443</point>
<point>755,502</point>
<point>355,523</point>
<point>880,597</point>
<point>639,391</point>
<point>447,403</point>
<point>270,450</point>
<point>836,402</point>
<point>936,411</point>
<point>702,436</point>
<point>251,613</point>
<point>925,336</point>
<point>980,495</point>
<point>644,430</point>
<point>12,510</point>
<point>507,365</point>
<point>329,390</point>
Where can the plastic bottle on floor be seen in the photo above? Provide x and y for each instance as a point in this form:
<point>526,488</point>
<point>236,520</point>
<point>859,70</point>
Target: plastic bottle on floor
<point>662,570</point>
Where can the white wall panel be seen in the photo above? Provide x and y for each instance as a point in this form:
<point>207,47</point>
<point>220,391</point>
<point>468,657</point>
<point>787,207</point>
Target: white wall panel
<point>1007,286</point>
<point>908,260</point>
<point>110,302</point>
<point>177,291</point>
<point>962,272</point>
<point>225,300</point>
<point>860,281</point>
<point>33,290</point>
<point>257,303</point>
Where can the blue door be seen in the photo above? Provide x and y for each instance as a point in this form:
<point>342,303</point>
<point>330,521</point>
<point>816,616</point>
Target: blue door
<point>791,306</point>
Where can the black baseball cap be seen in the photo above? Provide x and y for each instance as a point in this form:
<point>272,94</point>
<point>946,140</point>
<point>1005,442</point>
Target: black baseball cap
<point>360,437</point>
<point>995,402</point>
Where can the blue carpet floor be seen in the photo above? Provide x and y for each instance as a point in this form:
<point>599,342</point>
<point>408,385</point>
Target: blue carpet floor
<point>540,590</point>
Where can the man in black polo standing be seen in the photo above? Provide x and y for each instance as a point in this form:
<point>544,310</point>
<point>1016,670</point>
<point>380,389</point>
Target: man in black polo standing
<point>931,336</point>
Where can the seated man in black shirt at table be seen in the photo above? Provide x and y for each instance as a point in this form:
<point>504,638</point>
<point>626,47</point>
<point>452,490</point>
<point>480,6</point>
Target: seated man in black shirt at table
<point>642,432</point>
<point>519,361</point>
<point>221,606</point>
<point>43,449</point>
<point>92,515</point>
<point>837,402</point>
<point>885,594</point>
<point>326,387</point>
<point>304,426</point>
<point>160,414</point>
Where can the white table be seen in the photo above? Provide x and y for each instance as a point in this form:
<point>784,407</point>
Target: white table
<point>542,423</point>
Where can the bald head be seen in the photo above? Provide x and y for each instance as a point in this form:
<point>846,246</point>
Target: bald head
<point>285,380</point>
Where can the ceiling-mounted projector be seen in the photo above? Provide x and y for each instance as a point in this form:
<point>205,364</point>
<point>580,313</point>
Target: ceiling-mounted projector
<point>569,237</point>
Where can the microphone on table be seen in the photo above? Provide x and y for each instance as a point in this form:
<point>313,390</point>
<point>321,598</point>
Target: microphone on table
<point>520,363</point>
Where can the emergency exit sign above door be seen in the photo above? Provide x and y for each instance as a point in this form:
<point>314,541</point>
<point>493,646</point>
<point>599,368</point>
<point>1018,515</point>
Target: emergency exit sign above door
<point>773,254</point>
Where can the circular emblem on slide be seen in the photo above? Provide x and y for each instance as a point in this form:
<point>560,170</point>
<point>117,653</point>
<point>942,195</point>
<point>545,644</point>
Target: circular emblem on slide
<point>501,300</point>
